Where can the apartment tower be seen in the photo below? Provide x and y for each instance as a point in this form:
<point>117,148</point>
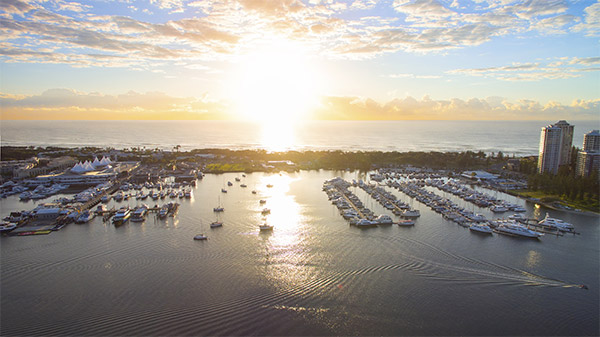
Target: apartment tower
<point>555,146</point>
<point>588,159</point>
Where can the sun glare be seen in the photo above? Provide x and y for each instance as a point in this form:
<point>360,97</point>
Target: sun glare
<point>275,84</point>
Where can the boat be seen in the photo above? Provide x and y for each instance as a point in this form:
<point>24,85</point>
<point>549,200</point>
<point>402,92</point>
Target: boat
<point>265,211</point>
<point>200,237</point>
<point>105,198</point>
<point>411,213</point>
<point>513,228</point>
<point>556,224</point>
<point>384,219</point>
<point>164,211</point>
<point>480,228</point>
<point>519,209</point>
<point>139,213</point>
<point>223,190</point>
<point>269,185</point>
<point>229,183</point>
<point>216,224</point>
<point>406,222</point>
<point>219,208</point>
<point>364,223</point>
<point>262,201</point>
<point>253,191</point>
<point>243,185</point>
<point>122,216</point>
<point>498,209</point>
<point>101,209</point>
<point>237,179</point>
<point>265,227</point>
<point>6,227</point>
<point>85,216</point>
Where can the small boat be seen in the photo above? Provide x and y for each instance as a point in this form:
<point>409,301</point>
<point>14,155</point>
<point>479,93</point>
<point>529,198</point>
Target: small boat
<point>237,179</point>
<point>223,190</point>
<point>262,201</point>
<point>216,224</point>
<point>243,185</point>
<point>411,213</point>
<point>85,216</point>
<point>7,227</point>
<point>229,183</point>
<point>253,191</point>
<point>269,185</point>
<point>219,208</point>
<point>498,209</point>
<point>406,222</point>
<point>265,211</point>
<point>481,228</point>
<point>265,227</point>
<point>164,211</point>
<point>200,237</point>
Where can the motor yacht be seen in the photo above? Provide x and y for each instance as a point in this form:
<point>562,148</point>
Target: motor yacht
<point>139,213</point>
<point>498,209</point>
<point>384,219</point>
<point>7,227</point>
<point>481,228</point>
<point>122,216</point>
<point>513,228</point>
<point>411,213</point>
<point>85,216</point>
<point>556,224</point>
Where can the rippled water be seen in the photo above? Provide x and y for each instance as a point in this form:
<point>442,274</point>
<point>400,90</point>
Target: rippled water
<point>510,137</point>
<point>314,275</point>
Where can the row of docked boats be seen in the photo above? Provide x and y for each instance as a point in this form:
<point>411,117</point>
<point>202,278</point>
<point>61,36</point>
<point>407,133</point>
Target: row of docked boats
<point>478,198</point>
<point>350,206</point>
<point>390,201</point>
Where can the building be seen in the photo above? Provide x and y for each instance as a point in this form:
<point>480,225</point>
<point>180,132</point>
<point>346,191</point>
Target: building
<point>588,160</point>
<point>555,147</point>
<point>591,141</point>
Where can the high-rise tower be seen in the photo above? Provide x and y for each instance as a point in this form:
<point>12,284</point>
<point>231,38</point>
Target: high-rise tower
<point>555,146</point>
<point>588,159</point>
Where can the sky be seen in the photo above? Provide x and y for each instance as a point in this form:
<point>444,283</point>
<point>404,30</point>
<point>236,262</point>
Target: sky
<point>265,60</point>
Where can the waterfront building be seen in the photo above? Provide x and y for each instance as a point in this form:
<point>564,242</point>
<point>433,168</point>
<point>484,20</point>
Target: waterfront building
<point>591,141</point>
<point>555,146</point>
<point>588,160</point>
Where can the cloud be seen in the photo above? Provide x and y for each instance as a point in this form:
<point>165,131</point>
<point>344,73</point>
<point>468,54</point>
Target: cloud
<point>16,7</point>
<point>559,69</point>
<point>70,104</point>
<point>493,108</point>
<point>591,21</point>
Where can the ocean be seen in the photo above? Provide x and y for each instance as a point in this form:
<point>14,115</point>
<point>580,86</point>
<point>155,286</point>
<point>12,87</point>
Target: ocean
<point>519,138</point>
<point>313,275</point>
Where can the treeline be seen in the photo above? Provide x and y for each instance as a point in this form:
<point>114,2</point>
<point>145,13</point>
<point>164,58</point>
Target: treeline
<point>365,160</point>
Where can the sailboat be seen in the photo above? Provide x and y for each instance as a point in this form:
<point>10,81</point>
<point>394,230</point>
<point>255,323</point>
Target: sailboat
<point>216,223</point>
<point>200,236</point>
<point>219,208</point>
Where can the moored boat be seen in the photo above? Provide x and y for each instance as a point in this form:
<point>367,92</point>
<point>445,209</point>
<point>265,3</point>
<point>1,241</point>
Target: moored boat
<point>480,228</point>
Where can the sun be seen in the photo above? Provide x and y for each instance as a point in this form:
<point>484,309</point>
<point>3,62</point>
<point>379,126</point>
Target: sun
<point>275,83</point>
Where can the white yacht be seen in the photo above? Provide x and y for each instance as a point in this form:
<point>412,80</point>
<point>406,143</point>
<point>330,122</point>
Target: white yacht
<point>7,227</point>
<point>384,219</point>
<point>200,237</point>
<point>498,209</point>
<point>411,213</point>
<point>85,216</point>
<point>121,216</point>
<point>556,224</point>
<point>139,214</point>
<point>363,223</point>
<point>481,228</point>
<point>514,228</point>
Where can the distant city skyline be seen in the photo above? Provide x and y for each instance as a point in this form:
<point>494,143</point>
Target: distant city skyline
<point>280,61</point>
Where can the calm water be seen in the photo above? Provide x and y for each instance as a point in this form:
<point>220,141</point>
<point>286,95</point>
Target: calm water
<point>314,275</point>
<point>512,137</point>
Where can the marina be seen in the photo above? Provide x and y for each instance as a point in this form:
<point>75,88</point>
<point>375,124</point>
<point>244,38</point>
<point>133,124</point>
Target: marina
<point>385,263</point>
